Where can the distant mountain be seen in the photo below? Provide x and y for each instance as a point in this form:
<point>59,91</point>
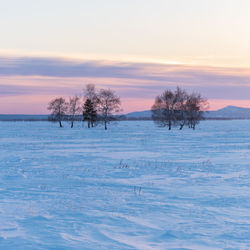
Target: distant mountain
<point>232,112</point>
<point>228,112</point>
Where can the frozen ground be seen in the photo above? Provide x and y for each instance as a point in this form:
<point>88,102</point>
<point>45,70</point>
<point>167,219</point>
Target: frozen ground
<point>134,186</point>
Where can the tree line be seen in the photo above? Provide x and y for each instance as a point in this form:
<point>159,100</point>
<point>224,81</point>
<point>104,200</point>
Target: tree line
<point>171,108</point>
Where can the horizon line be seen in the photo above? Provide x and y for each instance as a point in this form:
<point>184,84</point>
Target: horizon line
<point>129,112</point>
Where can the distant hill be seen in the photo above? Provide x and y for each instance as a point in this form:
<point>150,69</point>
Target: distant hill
<point>232,112</point>
<point>139,114</point>
<point>228,112</point>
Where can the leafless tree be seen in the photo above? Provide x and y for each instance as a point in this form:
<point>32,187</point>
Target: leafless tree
<point>90,92</point>
<point>180,107</point>
<point>108,104</point>
<point>177,107</point>
<point>58,108</point>
<point>74,108</point>
<point>163,112</point>
<point>195,107</point>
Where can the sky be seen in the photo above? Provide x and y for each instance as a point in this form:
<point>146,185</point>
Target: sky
<point>138,48</point>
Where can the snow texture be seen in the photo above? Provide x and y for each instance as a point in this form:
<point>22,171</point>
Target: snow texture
<point>134,186</point>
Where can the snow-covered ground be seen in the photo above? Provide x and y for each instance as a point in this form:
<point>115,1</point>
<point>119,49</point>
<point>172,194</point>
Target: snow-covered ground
<point>134,186</point>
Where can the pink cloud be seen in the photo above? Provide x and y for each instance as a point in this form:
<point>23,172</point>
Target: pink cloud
<point>27,85</point>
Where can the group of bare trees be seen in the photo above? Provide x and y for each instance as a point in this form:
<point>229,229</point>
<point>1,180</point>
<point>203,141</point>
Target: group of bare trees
<point>171,108</point>
<point>94,107</point>
<point>178,108</point>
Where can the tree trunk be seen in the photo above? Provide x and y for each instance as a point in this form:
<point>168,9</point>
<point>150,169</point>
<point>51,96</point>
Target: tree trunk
<point>72,124</point>
<point>60,122</point>
<point>105,125</point>
<point>169,126</point>
<point>88,124</point>
<point>181,126</point>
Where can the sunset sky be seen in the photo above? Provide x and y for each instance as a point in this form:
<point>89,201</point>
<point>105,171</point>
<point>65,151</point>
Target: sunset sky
<point>136,47</point>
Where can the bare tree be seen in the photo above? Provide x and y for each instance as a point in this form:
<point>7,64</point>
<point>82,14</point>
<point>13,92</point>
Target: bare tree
<point>195,107</point>
<point>108,104</point>
<point>178,108</point>
<point>163,112</point>
<point>90,92</point>
<point>58,108</point>
<point>74,108</point>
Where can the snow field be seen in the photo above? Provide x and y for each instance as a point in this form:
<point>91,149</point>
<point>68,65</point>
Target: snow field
<point>134,186</point>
